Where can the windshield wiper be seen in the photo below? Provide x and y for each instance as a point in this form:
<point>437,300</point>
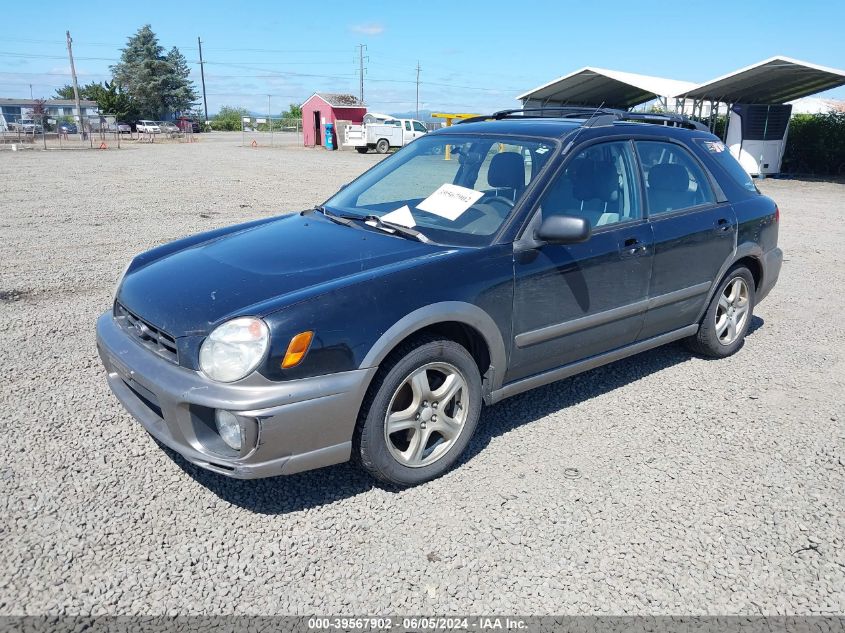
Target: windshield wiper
<point>334,217</point>
<point>396,228</point>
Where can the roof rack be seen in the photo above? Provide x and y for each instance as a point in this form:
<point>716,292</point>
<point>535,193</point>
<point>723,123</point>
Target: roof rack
<point>596,117</point>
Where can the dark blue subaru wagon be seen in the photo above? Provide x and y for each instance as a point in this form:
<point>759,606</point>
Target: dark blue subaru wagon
<point>478,262</point>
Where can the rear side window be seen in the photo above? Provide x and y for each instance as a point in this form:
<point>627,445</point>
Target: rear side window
<point>721,155</point>
<point>673,178</point>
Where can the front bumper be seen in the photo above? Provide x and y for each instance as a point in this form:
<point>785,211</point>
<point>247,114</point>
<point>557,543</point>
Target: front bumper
<point>772,262</point>
<point>299,424</point>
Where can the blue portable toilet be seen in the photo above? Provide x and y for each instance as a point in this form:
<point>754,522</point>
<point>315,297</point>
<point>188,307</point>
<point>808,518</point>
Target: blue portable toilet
<point>329,140</point>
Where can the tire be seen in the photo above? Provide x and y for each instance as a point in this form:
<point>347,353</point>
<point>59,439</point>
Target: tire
<point>728,317</point>
<point>382,146</point>
<point>428,435</point>
<point>362,150</point>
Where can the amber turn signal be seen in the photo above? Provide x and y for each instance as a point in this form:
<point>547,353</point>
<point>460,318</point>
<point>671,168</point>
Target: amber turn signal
<point>297,349</point>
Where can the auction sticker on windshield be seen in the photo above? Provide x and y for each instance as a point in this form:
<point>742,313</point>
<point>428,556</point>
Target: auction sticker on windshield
<point>401,216</point>
<point>450,201</point>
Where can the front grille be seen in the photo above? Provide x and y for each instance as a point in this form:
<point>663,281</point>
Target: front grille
<point>147,334</point>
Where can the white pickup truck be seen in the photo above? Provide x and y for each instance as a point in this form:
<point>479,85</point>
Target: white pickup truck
<point>384,135</point>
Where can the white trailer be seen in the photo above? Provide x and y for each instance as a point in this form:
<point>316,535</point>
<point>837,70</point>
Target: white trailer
<point>756,136</point>
<point>382,136</point>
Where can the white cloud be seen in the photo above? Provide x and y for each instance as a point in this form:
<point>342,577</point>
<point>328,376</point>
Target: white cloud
<point>370,28</point>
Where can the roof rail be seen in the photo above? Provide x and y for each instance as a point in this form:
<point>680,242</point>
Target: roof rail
<point>606,116</point>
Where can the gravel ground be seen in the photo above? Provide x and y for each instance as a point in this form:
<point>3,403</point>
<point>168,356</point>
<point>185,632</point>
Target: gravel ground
<point>703,487</point>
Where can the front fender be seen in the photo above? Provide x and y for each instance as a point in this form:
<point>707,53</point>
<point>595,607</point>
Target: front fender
<point>441,312</point>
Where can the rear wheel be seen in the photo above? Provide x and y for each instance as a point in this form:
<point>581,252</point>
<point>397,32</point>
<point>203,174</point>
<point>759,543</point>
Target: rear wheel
<point>382,146</point>
<point>420,413</point>
<point>362,150</point>
<point>725,324</point>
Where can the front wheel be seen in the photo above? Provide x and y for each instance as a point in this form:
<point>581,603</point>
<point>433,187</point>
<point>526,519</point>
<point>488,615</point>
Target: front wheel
<point>362,150</point>
<point>382,146</point>
<point>728,317</point>
<point>420,413</point>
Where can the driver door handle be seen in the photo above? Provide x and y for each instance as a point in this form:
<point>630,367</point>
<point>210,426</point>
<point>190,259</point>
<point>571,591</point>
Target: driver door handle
<point>632,247</point>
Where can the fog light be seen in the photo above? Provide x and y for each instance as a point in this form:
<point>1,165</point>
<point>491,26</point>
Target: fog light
<point>229,428</point>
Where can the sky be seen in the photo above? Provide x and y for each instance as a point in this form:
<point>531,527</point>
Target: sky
<point>474,56</point>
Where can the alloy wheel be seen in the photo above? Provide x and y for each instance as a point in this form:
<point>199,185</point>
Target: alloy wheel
<point>732,311</point>
<point>427,414</point>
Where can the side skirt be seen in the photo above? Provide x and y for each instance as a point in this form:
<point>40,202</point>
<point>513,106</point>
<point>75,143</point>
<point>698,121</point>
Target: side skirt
<point>553,375</point>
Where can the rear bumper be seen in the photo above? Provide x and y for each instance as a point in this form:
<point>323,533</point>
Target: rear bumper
<point>289,427</point>
<point>772,262</point>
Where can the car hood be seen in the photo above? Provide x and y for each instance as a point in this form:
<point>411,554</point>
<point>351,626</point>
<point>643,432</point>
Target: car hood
<point>258,270</point>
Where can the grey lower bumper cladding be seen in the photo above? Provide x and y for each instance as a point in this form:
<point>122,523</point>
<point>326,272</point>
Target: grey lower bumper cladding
<point>301,424</point>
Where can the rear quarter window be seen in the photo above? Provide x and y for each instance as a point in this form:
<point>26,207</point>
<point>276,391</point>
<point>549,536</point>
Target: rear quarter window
<point>720,154</point>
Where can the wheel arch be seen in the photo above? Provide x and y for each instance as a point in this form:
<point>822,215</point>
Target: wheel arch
<point>463,322</point>
<point>747,253</point>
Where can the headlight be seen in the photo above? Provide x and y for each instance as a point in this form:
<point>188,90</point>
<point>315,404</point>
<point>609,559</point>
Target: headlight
<point>233,350</point>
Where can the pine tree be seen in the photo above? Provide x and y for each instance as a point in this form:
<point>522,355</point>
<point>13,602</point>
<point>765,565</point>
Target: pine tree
<point>145,74</point>
<point>181,95</point>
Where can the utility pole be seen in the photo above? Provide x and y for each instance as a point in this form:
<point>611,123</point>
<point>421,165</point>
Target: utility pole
<point>361,49</point>
<point>418,89</point>
<point>270,120</point>
<point>81,129</point>
<point>202,77</point>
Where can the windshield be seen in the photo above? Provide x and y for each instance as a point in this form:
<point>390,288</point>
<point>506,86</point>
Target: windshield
<point>454,189</point>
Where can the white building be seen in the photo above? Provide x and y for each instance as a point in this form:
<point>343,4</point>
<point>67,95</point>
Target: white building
<point>16,109</point>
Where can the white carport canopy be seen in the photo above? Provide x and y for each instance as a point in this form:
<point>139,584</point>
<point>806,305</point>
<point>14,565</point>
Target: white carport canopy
<point>599,86</point>
<point>774,80</point>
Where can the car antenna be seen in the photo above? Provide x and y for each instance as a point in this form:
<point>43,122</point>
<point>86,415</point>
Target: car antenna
<point>586,124</point>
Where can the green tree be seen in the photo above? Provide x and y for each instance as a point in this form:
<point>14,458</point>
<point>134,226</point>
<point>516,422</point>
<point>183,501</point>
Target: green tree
<point>181,94</point>
<point>112,100</point>
<point>89,91</point>
<point>294,111</point>
<point>229,119</point>
<point>157,83</point>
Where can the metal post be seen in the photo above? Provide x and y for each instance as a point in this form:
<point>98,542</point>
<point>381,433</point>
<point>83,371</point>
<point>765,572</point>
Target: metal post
<point>418,89</point>
<point>270,120</point>
<point>202,78</point>
<point>361,49</point>
<point>75,85</point>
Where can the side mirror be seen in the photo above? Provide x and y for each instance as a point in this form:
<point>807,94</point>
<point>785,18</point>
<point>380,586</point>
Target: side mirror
<point>563,229</point>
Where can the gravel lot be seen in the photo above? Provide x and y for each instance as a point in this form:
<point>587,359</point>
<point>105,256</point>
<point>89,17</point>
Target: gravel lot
<point>703,487</point>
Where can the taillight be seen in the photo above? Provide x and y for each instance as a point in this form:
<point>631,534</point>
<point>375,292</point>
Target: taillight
<point>777,214</point>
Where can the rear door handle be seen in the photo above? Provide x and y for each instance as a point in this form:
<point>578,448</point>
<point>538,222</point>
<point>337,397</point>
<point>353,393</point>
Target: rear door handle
<point>723,225</point>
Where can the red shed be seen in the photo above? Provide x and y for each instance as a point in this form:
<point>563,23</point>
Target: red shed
<point>327,107</point>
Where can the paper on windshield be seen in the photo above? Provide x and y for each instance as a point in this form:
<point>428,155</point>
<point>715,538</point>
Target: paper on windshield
<point>401,216</point>
<point>450,201</point>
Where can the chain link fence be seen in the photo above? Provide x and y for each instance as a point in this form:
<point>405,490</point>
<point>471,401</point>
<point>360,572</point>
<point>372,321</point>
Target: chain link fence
<point>101,131</point>
<point>270,131</point>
